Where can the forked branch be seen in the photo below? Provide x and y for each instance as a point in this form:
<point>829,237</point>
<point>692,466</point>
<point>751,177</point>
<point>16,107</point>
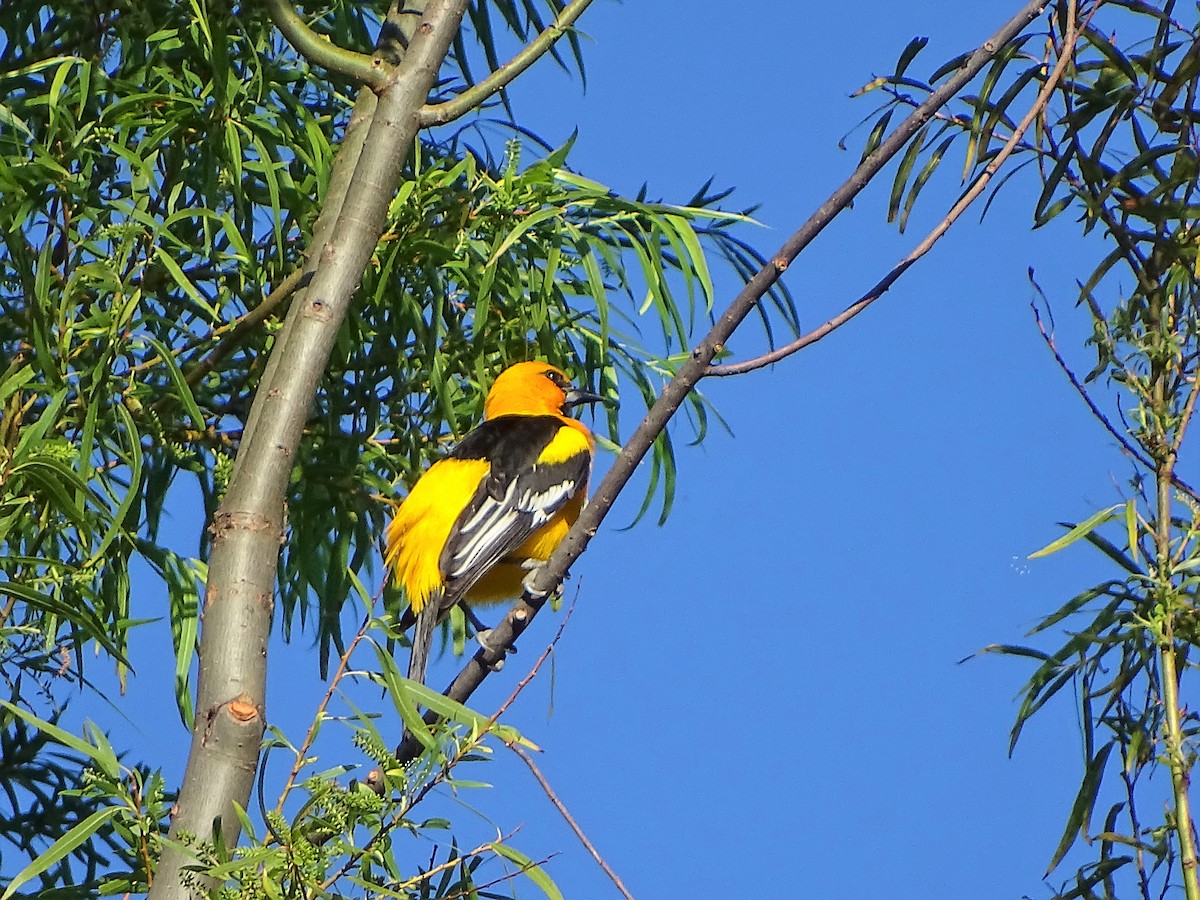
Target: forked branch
<point>977,187</point>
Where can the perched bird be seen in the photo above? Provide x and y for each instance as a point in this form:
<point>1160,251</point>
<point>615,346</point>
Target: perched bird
<point>479,521</point>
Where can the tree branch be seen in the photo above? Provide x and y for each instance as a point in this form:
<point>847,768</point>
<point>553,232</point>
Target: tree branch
<point>248,526</point>
<point>956,211</point>
<point>548,577</point>
<point>370,70</point>
<point>570,820</point>
<point>442,113</point>
<point>231,335</point>
<point>1095,410</point>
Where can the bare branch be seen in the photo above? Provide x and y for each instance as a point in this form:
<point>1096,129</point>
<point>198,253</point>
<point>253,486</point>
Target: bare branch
<point>410,747</point>
<point>370,70</point>
<point>319,716</point>
<point>570,820</point>
<point>547,578</point>
<point>472,97</point>
<point>959,207</point>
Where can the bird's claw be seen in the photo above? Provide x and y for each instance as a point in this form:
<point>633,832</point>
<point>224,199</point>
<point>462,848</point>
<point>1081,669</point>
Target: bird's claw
<point>484,638</point>
<point>530,591</point>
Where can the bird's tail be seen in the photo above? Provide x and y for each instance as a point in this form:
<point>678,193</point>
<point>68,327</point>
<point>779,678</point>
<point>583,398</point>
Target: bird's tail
<point>422,640</point>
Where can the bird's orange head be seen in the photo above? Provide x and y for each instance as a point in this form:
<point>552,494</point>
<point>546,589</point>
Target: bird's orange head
<point>533,389</point>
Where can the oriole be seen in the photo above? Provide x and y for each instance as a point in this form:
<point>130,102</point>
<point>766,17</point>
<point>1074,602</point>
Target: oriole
<point>477,522</point>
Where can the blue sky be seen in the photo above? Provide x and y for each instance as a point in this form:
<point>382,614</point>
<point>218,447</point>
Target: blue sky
<point>763,698</point>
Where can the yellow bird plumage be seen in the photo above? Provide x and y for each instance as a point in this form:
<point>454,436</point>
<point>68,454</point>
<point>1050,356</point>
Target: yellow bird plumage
<point>477,522</point>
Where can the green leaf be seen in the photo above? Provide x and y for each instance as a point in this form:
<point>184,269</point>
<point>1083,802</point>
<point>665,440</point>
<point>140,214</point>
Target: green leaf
<point>61,848</point>
<point>915,46</point>
<point>65,738</point>
<point>1078,531</point>
<point>456,712</point>
<point>903,171</point>
<point>931,164</point>
<point>398,688</point>
<point>875,138</point>
<point>182,390</point>
<point>1085,802</point>
<point>950,67</point>
<point>529,869</point>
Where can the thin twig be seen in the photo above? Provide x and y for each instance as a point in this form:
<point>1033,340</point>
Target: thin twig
<point>410,747</point>
<point>1104,420</point>
<point>570,820</point>
<point>1185,417</point>
<point>243,325</point>
<point>960,206</point>
<point>476,890</point>
<point>450,863</point>
<point>524,682</point>
<point>343,662</point>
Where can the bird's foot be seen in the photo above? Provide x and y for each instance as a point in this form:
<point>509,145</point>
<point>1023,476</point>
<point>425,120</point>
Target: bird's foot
<point>484,638</point>
<point>531,592</point>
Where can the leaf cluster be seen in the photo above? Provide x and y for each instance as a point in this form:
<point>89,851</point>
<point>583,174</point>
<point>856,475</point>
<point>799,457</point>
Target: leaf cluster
<point>327,836</point>
<point>1116,146</point>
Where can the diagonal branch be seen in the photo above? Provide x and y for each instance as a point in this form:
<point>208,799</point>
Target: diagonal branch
<point>1095,410</point>
<point>230,336</point>
<point>472,97</point>
<point>546,579</point>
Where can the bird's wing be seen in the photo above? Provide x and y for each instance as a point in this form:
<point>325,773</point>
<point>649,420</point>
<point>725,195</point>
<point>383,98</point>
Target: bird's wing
<point>536,465</point>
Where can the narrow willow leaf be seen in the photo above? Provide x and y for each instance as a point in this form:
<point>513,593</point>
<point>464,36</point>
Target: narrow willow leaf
<point>79,616</point>
<point>132,456</point>
<point>1076,603</point>
<point>1081,530</point>
<point>915,46</point>
<point>949,67</point>
<point>1085,801</point>
<point>1115,57</point>
<point>182,390</point>
<point>455,711</point>
<point>875,138</point>
<point>61,848</point>
<point>931,164</point>
<point>1110,550</point>
<point>1131,526</point>
<point>398,688</point>
<point>78,744</point>
<point>900,182</point>
<point>1050,186</point>
<point>1014,650</point>
<point>529,869</point>
<point>1035,699</point>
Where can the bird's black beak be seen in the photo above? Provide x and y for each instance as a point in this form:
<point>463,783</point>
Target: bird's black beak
<point>577,397</point>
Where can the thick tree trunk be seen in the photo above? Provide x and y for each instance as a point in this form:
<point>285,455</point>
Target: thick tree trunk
<point>249,526</point>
